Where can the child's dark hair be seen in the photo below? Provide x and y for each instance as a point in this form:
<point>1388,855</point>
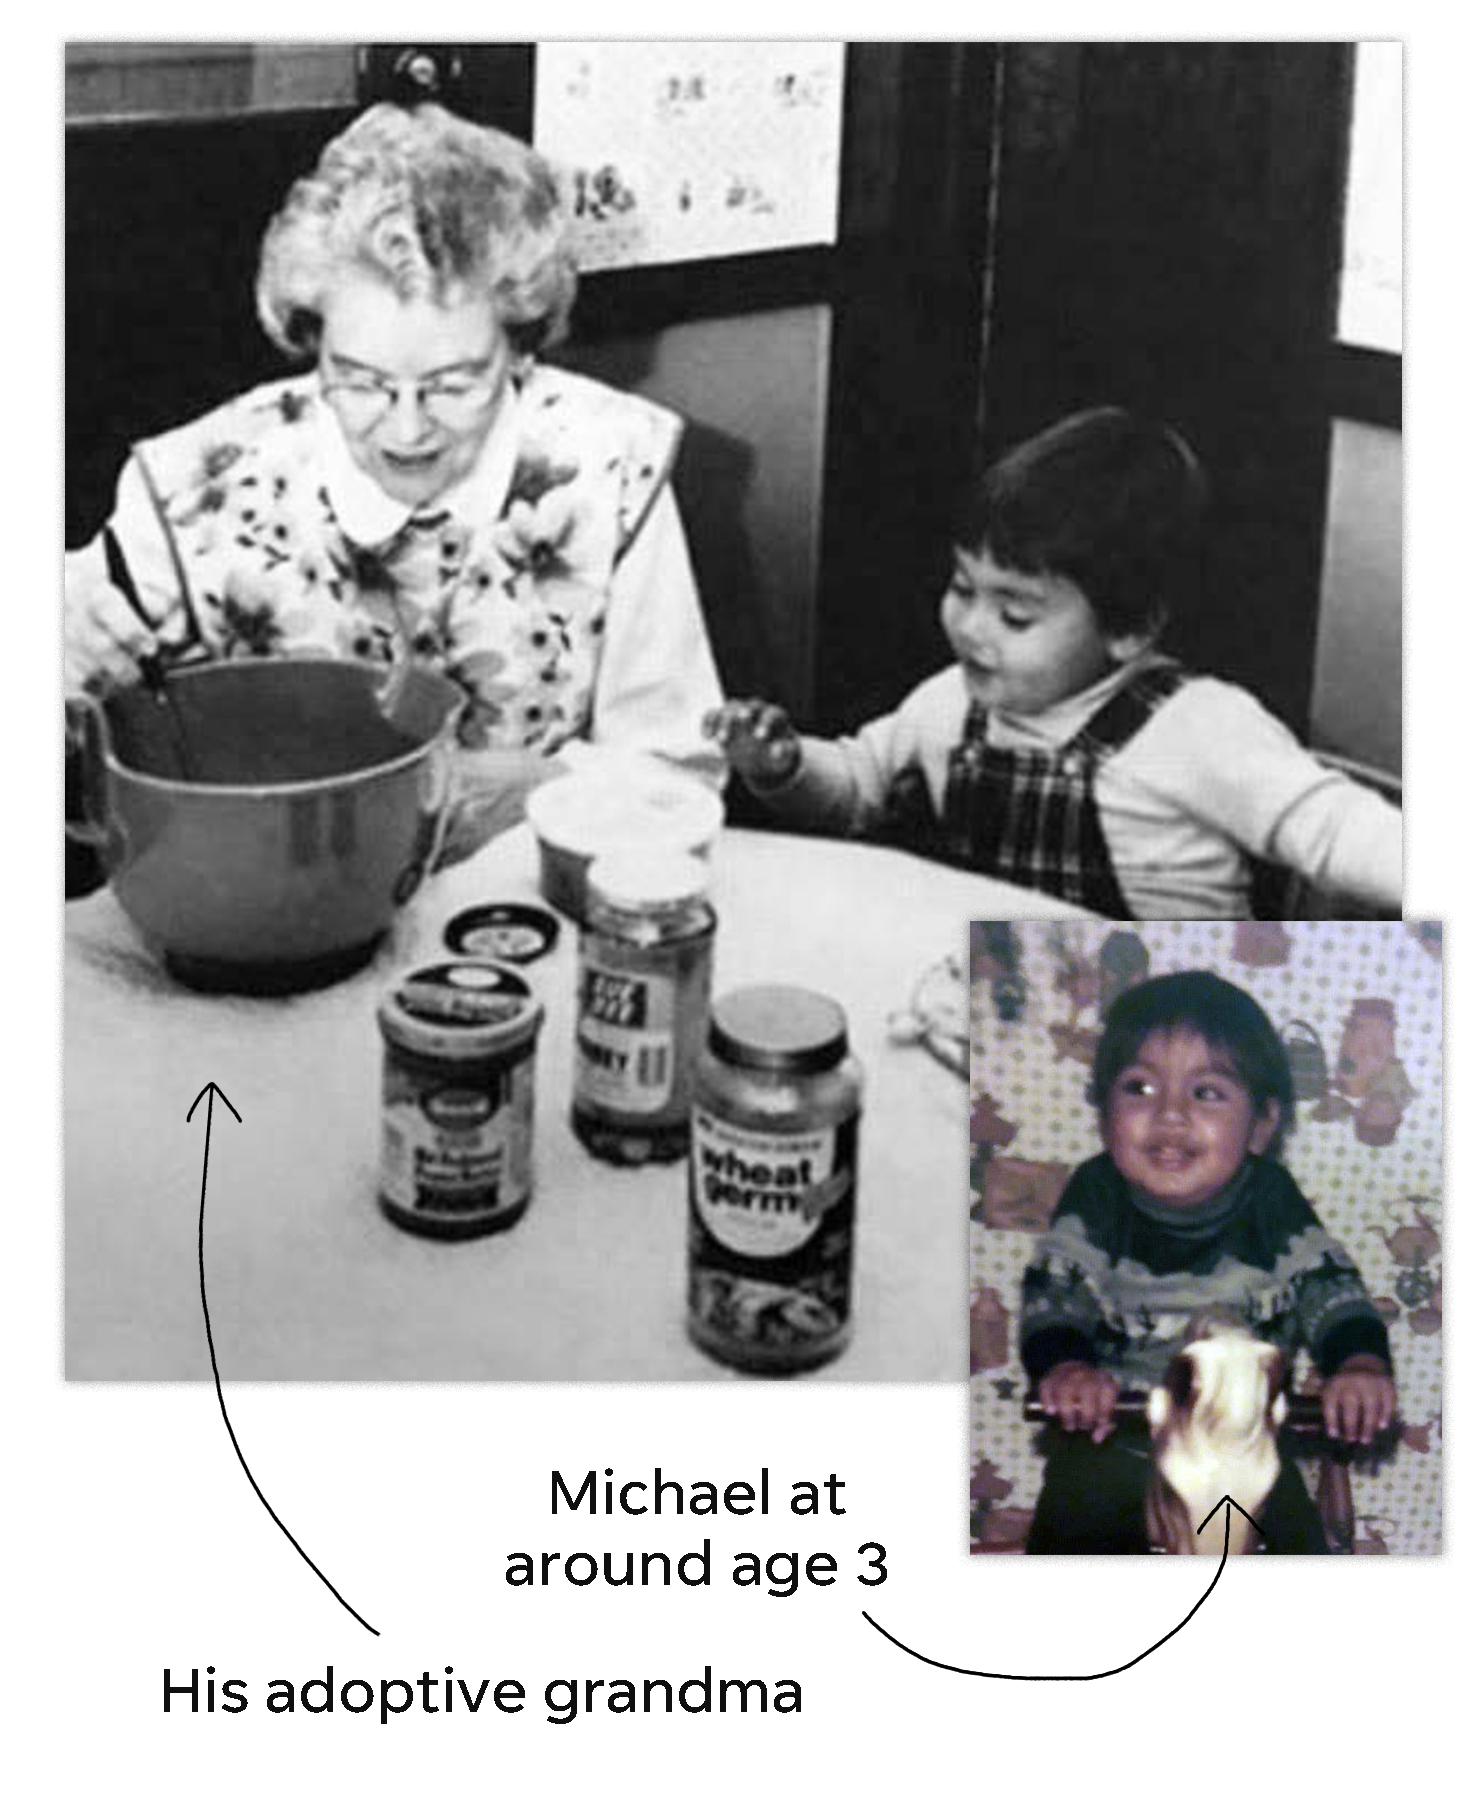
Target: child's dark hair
<point>1112,501</point>
<point>1230,1021</point>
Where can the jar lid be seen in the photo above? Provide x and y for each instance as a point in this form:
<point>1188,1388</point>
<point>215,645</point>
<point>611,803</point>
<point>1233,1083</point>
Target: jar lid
<point>599,810</point>
<point>782,1029</point>
<point>502,931</point>
<point>466,1009</point>
<point>650,877</point>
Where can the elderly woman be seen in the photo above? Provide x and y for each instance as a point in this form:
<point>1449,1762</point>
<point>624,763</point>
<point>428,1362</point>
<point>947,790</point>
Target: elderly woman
<point>428,489</point>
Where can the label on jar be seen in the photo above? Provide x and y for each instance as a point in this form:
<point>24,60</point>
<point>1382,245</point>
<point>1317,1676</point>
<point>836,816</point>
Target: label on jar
<point>625,1038</point>
<point>764,1195</point>
<point>772,1228</point>
<point>454,1148</point>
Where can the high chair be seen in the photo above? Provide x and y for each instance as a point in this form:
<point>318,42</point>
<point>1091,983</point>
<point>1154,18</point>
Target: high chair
<point>1280,893</point>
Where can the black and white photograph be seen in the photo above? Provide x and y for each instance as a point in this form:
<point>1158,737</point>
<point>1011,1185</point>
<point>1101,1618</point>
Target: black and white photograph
<point>588,564</point>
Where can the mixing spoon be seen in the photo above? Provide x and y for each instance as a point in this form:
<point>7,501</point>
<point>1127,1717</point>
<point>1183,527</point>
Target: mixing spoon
<point>151,665</point>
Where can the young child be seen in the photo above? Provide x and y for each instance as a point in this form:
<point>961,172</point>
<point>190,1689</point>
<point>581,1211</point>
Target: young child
<point>1188,1208</point>
<point>1062,750</point>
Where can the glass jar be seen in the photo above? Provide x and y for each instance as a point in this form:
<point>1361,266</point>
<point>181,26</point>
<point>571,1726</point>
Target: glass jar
<point>458,1098</point>
<point>646,962</point>
<point>772,1181</point>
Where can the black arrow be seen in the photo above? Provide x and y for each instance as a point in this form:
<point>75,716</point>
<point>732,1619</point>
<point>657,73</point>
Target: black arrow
<point>1228,1502</point>
<point>209,1089</point>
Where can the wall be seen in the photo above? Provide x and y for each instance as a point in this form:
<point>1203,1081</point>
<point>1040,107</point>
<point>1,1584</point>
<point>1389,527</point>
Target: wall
<point>750,475</point>
<point>1359,1007</point>
<point>138,80</point>
<point>1356,709</point>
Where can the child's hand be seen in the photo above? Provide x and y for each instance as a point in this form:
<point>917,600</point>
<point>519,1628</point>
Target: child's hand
<point>1358,1400</point>
<point>1081,1398</point>
<point>757,738</point>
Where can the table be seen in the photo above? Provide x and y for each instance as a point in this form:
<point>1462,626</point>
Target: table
<point>307,1280</point>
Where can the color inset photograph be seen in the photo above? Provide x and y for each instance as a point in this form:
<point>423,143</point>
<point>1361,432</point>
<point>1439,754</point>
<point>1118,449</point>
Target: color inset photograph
<point>1206,1240</point>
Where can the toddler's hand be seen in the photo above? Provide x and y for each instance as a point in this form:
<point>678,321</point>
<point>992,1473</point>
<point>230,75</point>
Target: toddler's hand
<point>1358,1400</point>
<point>757,738</point>
<point>1081,1398</point>
<point>103,639</point>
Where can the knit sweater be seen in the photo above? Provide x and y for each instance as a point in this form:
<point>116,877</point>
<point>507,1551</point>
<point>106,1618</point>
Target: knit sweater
<point>1117,1277</point>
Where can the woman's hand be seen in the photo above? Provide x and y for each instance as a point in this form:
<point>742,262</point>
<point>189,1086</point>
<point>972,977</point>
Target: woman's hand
<point>1081,1398</point>
<point>490,788</point>
<point>1358,1400</point>
<point>757,738</point>
<point>103,639</point>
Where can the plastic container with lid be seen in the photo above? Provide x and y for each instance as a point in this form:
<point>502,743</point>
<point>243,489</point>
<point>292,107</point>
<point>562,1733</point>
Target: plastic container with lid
<point>458,1098</point>
<point>626,804</point>
<point>772,1181</point>
<point>646,959</point>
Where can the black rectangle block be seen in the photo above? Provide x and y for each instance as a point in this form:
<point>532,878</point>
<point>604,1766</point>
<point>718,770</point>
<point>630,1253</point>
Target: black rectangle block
<point>850,1561</point>
<point>279,1694</point>
<point>656,1532</point>
<point>643,1694</point>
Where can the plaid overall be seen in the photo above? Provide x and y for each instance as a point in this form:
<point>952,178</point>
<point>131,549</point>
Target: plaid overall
<point>1029,816</point>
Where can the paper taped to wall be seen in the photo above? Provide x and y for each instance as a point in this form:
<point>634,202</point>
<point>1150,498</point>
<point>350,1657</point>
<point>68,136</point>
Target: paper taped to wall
<point>678,151</point>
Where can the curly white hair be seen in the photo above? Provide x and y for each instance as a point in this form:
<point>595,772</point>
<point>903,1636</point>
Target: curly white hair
<point>429,203</point>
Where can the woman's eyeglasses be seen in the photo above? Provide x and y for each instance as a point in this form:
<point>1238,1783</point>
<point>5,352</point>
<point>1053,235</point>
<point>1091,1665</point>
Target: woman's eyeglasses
<point>363,401</point>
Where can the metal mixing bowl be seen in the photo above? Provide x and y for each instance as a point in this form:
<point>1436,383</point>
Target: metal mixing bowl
<point>261,821</point>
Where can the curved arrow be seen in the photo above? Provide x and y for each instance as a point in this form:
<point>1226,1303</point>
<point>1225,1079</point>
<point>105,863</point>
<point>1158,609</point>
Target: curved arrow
<point>1161,1638</point>
<point>1232,1507</point>
<point>209,1089</point>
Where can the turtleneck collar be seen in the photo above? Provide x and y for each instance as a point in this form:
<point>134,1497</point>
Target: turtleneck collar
<point>1056,725</point>
<point>1202,1220</point>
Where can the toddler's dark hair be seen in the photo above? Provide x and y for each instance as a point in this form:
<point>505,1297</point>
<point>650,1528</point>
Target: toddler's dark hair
<point>1230,1021</point>
<point>1112,501</point>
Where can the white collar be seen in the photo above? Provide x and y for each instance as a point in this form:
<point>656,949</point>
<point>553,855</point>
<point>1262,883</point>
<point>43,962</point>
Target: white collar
<point>370,517</point>
<point>1053,728</point>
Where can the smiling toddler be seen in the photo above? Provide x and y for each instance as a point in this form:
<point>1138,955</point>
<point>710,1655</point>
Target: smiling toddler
<point>1061,749</point>
<point>1187,1210</point>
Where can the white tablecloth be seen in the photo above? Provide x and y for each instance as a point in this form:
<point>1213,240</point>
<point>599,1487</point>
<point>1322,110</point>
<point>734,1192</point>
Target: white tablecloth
<point>306,1277</point>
